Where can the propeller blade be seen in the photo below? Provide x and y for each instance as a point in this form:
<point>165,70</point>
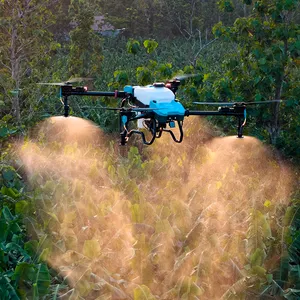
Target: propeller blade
<point>145,109</point>
<point>184,76</point>
<point>138,109</point>
<point>104,107</point>
<point>238,103</point>
<point>111,108</point>
<point>264,102</point>
<point>216,103</point>
<point>52,83</point>
<point>78,79</point>
<point>68,82</point>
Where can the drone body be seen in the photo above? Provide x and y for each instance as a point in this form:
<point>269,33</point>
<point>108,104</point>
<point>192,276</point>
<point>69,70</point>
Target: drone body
<point>160,99</point>
<point>155,108</point>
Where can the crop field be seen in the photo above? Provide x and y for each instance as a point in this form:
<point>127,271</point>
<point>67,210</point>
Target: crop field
<point>201,220</point>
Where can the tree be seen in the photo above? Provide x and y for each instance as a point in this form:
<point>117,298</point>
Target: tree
<point>85,48</point>
<point>25,42</point>
<point>268,53</point>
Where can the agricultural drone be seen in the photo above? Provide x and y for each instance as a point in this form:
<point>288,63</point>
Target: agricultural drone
<point>154,107</point>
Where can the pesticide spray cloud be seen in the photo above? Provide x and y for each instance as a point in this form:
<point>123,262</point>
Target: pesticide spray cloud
<point>173,221</point>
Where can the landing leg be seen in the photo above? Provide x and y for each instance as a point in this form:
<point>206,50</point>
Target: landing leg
<point>66,106</point>
<point>240,128</point>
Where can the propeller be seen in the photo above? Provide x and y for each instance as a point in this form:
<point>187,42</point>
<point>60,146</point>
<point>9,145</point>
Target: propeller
<point>137,109</point>
<point>238,103</point>
<point>184,76</point>
<point>173,84</point>
<point>68,82</point>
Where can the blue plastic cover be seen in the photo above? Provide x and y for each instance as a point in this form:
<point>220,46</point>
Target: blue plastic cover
<point>128,89</point>
<point>168,109</point>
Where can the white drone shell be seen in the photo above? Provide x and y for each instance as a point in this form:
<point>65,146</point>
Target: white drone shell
<point>145,94</point>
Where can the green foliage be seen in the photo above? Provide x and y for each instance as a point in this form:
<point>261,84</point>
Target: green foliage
<point>142,293</point>
<point>226,5</point>
<point>91,248</point>
<point>144,75</point>
<point>121,77</point>
<point>150,45</point>
<point>292,219</point>
<point>6,129</point>
<point>24,51</point>
<point>20,274</point>
<point>133,46</point>
<point>85,48</point>
<point>23,272</point>
<point>262,67</point>
<point>164,19</point>
<point>107,209</point>
<point>11,188</point>
<point>149,72</point>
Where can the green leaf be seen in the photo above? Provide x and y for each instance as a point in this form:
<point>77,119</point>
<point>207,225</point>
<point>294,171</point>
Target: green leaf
<point>7,214</point>
<point>133,46</point>
<point>137,213</point>
<point>288,217</point>
<point>281,274</point>
<point>165,70</point>
<point>294,275</point>
<point>142,292</point>
<point>257,257</point>
<point>7,289</point>
<point>237,289</point>
<point>42,280</point>
<point>143,75</point>
<point>269,278</point>
<point>8,174</point>
<point>292,294</point>
<point>15,92</point>
<point>22,207</point>
<point>31,247</point>
<point>35,291</point>
<point>121,77</point>
<point>24,272</point>
<point>259,271</point>
<point>44,255</point>
<point>150,45</point>
<point>4,132</point>
<point>292,217</point>
<point>17,248</point>
<point>56,295</point>
<point>262,61</point>
<point>3,230</point>
<point>294,250</point>
<point>226,5</point>
<point>258,97</point>
<point>91,248</point>
<point>11,192</point>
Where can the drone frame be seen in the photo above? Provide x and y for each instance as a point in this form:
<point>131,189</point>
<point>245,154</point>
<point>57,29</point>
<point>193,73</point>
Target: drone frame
<point>155,126</point>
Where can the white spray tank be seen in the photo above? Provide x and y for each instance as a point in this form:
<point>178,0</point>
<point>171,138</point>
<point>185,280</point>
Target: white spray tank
<point>157,91</point>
